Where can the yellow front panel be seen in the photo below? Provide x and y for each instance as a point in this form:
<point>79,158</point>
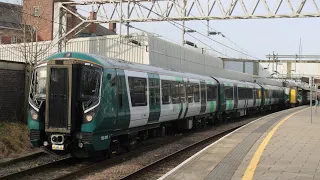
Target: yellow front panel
<point>293,96</point>
<point>259,94</point>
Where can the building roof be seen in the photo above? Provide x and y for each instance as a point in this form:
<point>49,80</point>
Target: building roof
<point>9,20</point>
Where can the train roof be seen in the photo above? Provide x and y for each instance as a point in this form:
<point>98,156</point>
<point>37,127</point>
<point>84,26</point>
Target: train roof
<point>122,64</point>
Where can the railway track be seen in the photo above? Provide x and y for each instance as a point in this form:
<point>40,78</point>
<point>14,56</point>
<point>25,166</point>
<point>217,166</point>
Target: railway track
<point>41,168</point>
<point>85,166</point>
<point>63,169</point>
<point>157,168</point>
<point>23,158</point>
<point>114,161</point>
<point>136,175</point>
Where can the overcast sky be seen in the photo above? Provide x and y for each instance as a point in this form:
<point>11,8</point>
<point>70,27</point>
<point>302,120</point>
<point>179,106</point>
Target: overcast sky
<point>258,37</point>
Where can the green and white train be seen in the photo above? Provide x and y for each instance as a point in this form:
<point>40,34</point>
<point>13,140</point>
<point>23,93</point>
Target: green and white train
<point>86,104</point>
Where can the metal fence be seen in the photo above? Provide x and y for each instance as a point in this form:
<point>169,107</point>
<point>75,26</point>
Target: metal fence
<point>132,49</point>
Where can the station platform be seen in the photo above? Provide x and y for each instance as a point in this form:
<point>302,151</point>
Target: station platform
<point>282,145</point>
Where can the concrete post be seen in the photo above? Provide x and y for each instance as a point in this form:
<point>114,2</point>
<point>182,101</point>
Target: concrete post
<point>289,69</point>
<point>244,67</point>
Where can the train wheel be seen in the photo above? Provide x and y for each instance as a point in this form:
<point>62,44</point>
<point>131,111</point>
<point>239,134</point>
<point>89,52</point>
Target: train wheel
<point>143,135</point>
<point>161,131</point>
<point>197,123</point>
<point>114,148</point>
<point>132,142</point>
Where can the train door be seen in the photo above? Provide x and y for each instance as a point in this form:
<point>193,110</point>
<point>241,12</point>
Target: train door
<point>254,96</point>
<point>203,97</point>
<point>186,99</point>
<point>154,98</point>
<point>235,98</point>
<point>123,118</point>
<point>59,98</point>
<point>138,97</point>
<point>183,101</point>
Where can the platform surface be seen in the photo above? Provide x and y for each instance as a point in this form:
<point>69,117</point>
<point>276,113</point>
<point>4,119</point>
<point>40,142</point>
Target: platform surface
<point>283,145</point>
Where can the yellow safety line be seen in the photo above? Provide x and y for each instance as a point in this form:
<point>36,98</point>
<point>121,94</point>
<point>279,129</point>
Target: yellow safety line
<point>248,175</point>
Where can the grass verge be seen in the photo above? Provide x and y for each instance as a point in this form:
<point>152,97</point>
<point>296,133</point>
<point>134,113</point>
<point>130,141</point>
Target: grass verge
<point>14,139</point>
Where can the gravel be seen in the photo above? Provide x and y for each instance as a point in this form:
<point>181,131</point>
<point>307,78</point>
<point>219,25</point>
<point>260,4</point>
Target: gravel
<point>53,173</point>
<point>27,164</point>
<point>128,166</point>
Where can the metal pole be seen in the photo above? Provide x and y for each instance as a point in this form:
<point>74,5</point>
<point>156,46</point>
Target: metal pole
<point>311,84</point>
<point>183,22</point>
<point>128,29</point>
<point>316,99</point>
<point>120,18</point>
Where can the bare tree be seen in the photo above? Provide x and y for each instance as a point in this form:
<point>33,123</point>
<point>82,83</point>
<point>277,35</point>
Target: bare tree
<point>31,22</point>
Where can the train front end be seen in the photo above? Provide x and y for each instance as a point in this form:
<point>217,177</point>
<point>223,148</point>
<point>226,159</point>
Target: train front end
<point>64,96</point>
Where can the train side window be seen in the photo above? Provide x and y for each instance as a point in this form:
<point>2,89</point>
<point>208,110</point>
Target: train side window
<point>256,93</point>
<point>175,93</point>
<point>211,92</point>
<point>119,92</point>
<point>228,92</point>
<point>203,92</point>
<point>250,93</point>
<point>157,91</point>
<point>166,92</point>
<point>190,93</point>
<point>151,91</point>
<point>196,93</point>
<point>241,93</point>
<point>266,94</point>
<point>138,88</point>
<point>182,92</point>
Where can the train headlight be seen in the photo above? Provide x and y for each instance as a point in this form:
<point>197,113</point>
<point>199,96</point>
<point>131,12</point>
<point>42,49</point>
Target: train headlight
<point>89,117</point>
<point>34,115</point>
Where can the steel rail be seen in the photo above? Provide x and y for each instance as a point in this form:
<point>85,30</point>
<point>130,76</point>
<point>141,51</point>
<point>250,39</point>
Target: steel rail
<point>23,158</point>
<point>41,168</point>
<point>121,158</point>
<point>114,161</point>
<point>137,174</point>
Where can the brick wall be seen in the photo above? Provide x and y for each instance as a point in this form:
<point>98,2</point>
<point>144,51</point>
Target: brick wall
<point>12,86</point>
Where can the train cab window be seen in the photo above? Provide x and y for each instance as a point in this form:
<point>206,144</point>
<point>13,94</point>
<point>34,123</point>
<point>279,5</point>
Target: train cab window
<point>196,92</point>
<point>40,79</point>
<point>211,92</point>
<point>138,88</point>
<point>166,92</point>
<point>90,82</point>
<point>38,85</point>
<point>175,93</point>
<point>190,93</point>
<point>228,92</point>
